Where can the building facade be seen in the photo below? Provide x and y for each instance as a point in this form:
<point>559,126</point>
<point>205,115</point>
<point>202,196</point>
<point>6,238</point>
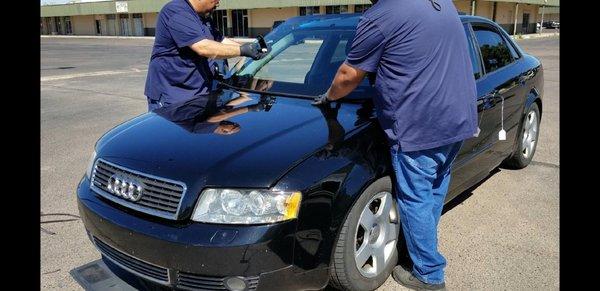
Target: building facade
<point>248,18</point>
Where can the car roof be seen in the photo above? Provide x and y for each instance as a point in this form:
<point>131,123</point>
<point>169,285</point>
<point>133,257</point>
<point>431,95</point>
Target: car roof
<point>472,18</point>
<point>350,20</point>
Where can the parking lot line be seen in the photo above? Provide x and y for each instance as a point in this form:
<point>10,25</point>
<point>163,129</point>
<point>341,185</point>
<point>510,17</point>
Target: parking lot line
<point>90,74</point>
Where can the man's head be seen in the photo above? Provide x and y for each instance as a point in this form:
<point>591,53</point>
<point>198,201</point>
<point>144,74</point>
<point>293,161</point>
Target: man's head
<point>204,6</point>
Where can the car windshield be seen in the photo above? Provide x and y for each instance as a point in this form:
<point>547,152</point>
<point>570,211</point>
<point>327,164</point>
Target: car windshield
<point>306,53</point>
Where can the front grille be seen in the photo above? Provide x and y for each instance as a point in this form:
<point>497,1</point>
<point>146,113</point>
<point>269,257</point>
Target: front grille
<point>190,281</point>
<point>141,268</point>
<point>160,196</point>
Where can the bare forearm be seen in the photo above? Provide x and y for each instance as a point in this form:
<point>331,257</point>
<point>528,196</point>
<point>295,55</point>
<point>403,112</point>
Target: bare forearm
<point>227,114</point>
<point>346,79</point>
<point>216,50</point>
<point>230,41</point>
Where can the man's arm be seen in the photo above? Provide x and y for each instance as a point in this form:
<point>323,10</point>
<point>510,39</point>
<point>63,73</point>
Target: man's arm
<point>230,41</point>
<point>224,115</point>
<point>346,79</point>
<point>216,50</point>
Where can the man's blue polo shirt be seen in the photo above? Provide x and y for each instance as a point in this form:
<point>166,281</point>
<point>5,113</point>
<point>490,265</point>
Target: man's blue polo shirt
<point>427,94</point>
<point>176,72</point>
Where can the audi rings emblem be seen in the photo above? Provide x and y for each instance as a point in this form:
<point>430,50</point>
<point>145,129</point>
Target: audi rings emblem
<point>125,188</point>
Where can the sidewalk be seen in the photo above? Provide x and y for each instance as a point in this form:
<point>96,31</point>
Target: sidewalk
<point>536,35</point>
<point>238,39</point>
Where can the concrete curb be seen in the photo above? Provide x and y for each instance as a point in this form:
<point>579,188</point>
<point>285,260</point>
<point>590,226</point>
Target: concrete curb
<point>238,39</point>
<point>97,36</point>
<point>534,35</point>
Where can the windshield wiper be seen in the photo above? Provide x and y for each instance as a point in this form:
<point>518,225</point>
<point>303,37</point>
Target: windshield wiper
<point>283,94</point>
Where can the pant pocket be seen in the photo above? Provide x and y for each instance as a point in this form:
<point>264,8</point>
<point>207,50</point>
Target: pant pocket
<point>421,160</point>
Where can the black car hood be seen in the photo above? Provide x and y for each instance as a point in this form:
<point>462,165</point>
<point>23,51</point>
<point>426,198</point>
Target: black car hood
<point>179,144</point>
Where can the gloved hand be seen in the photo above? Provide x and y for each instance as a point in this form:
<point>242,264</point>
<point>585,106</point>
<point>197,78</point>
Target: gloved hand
<point>252,50</point>
<point>321,99</point>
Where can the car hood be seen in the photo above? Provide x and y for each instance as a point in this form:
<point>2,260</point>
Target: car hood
<point>177,142</point>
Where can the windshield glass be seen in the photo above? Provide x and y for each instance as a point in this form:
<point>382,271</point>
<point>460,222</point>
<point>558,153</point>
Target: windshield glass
<point>305,56</point>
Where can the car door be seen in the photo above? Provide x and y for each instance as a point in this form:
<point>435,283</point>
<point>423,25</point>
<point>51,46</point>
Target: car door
<point>465,167</point>
<point>501,92</point>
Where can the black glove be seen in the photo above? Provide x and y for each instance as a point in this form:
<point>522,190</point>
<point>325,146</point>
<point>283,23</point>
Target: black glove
<point>252,50</point>
<point>321,99</point>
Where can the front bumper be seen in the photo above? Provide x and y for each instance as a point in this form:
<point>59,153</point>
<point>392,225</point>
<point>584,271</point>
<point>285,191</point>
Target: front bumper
<point>203,254</point>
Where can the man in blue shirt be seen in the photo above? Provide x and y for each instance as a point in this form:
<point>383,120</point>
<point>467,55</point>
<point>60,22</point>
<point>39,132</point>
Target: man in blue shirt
<point>426,105</point>
<point>185,46</point>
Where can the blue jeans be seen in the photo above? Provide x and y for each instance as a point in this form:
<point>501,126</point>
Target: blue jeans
<point>422,179</point>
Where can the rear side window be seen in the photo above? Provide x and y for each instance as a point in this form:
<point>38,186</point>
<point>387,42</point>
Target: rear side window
<point>494,50</point>
<point>475,60</point>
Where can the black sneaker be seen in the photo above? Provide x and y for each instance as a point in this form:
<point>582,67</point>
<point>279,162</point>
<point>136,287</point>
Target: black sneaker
<point>406,279</point>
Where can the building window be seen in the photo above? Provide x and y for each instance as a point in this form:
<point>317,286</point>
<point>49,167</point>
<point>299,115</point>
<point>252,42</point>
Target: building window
<point>98,27</point>
<point>239,20</point>
<point>219,18</point>
<point>360,8</point>
<point>111,24</point>
<point>138,24</point>
<point>337,9</point>
<point>124,21</point>
<point>310,10</point>
<point>57,25</point>
<point>69,29</point>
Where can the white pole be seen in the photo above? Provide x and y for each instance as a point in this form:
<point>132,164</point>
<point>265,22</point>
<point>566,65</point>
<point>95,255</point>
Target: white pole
<point>473,7</point>
<point>542,21</point>
<point>516,15</point>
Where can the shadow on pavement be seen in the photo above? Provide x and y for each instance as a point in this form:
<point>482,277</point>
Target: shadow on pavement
<point>96,276</point>
<point>467,193</point>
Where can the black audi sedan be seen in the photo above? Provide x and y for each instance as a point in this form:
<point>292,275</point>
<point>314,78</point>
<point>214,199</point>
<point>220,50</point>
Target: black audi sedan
<point>252,188</point>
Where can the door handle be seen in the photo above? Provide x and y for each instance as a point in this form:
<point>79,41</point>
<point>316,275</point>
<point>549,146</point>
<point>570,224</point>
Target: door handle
<point>489,100</point>
<point>526,76</point>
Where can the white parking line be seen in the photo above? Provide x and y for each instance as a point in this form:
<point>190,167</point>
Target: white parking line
<point>90,74</point>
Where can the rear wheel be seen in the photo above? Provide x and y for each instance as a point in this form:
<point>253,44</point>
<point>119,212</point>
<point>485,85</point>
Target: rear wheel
<point>527,139</point>
<point>365,251</point>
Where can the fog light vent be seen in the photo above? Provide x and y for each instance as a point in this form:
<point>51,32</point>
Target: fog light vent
<point>235,284</point>
<point>189,281</point>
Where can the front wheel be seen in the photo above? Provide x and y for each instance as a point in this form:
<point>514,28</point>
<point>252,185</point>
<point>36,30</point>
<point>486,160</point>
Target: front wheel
<point>365,251</point>
<point>527,139</point>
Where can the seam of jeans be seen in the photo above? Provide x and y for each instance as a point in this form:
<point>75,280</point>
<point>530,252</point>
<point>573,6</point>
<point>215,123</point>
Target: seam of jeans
<point>418,255</point>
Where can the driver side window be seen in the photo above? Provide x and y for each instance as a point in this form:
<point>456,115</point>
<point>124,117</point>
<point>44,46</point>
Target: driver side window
<point>494,50</point>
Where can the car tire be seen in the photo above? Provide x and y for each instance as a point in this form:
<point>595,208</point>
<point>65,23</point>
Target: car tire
<point>529,131</point>
<point>377,241</point>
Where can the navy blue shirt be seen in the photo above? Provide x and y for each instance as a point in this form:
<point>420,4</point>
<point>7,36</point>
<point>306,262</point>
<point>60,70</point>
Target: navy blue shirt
<point>176,72</point>
<point>426,88</point>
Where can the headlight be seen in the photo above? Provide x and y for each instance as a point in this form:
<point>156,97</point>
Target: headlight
<point>236,206</point>
<point>88,172</point>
